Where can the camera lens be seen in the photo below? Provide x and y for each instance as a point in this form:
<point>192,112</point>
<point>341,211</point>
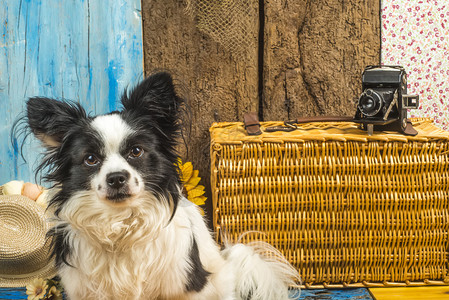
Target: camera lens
<point>370,103</point>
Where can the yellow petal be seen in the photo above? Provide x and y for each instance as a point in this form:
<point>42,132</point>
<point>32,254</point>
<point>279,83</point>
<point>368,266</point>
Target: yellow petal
<point>195,192</point>
<point>199,187</point>
<point>186,171</point>
<point>192,183</point>
<point>200,200</point>
<point>195,174</point>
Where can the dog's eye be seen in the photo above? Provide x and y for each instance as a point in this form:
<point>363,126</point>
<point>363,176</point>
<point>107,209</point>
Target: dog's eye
<point>91,160</point>
<point>136,152</point>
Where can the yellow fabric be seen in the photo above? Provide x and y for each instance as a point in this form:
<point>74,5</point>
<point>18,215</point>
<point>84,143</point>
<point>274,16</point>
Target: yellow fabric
<point>234,133</point>
<point>411,293</point>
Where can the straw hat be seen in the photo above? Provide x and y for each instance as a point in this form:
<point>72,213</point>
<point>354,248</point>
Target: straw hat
<point>24,249</point>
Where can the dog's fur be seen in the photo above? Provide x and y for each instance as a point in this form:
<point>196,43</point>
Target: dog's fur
<point>122,229</point>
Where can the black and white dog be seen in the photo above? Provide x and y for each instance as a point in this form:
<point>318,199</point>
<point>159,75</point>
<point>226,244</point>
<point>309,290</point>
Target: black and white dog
<point>122,228</point>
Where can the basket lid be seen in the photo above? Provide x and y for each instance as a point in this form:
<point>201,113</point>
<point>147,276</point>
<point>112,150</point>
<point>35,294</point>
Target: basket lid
<point>235,133</point>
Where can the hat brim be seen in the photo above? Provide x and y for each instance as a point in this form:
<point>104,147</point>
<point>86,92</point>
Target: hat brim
<point>48,272</point>
<point>24,250</point>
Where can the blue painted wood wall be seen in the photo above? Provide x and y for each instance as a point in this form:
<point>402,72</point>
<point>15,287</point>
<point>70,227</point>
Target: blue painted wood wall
<point>83,50</point>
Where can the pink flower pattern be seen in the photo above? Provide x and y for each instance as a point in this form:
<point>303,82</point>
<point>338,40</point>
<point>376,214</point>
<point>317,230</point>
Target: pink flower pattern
<point>415,34</point>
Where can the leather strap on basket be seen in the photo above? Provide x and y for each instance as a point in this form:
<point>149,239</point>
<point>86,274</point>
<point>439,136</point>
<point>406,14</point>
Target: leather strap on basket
<point>290,125</point>
<point>252,125</point>
<point>409,130</point>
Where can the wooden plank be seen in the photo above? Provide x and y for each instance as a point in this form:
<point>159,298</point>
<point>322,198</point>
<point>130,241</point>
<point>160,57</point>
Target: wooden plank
<point>314,53</point>
<point>411,293</point>
<point>13,293</point>
<point>87,51</point>
<point>335,294</point>
<point>218,85</point>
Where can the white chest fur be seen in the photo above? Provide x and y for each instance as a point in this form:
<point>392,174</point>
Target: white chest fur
<point>134,258</point>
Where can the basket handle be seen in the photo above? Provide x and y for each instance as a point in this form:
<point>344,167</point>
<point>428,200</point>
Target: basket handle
<point>323,119</point>
<point>290,125</point>
<point>252,124</point>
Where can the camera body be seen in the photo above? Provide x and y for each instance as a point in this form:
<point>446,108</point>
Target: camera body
<point>384,101</point>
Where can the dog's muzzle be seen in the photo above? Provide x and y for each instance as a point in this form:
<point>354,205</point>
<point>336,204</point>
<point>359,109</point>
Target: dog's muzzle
<point>117,186</point>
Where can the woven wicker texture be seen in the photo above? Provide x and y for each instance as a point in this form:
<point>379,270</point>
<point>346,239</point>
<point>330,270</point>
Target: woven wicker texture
<point>24,249</point>
<point>345,208</point>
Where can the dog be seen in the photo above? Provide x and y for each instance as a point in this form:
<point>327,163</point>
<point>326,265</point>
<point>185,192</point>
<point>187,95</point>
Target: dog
<point>122,228</point>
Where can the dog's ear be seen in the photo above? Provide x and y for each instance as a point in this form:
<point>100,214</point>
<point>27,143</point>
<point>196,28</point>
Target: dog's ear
<point>50,119</point>
<point>155,99</point>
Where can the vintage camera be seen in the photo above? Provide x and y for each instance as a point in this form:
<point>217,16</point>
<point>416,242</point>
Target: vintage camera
<point>384,100</point>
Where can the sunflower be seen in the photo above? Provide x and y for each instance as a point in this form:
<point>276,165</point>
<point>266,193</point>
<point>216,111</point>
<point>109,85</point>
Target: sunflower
<point>37,289</point>
<point>190,181</point>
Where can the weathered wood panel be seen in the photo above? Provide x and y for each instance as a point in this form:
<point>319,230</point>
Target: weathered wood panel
<point>315,52</point>
<point>218,86</point>
<point>87,51</point>
<point>313,56</point>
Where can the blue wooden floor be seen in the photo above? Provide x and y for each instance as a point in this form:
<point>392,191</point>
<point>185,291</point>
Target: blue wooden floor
<point>337,294</point>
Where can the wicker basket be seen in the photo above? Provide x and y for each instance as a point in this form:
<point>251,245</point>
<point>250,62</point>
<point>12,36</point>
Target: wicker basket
<point>345,208</point>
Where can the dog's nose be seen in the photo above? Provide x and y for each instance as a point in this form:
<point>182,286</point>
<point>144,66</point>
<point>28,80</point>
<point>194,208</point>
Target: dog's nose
<point>117,180</point>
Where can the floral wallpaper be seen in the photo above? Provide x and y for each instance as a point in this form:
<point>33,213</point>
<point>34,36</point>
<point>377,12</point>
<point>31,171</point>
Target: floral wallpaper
<point>415,34</point>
